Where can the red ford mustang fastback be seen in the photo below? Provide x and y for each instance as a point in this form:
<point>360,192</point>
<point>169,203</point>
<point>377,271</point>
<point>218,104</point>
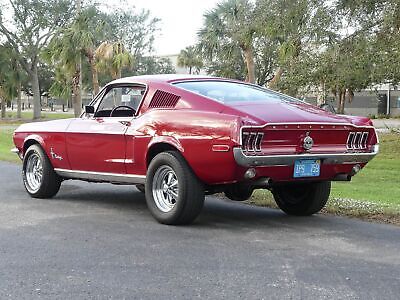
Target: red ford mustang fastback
<point>178,137</point>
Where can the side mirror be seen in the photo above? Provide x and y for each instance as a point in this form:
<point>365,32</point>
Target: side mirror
<point>89,109</point>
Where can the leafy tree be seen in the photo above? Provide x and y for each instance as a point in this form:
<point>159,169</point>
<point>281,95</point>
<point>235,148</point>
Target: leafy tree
<point>189,58</point>
<point>34,23</point>
<point>230,65</point>
<point>113,57</point>
<point>227,28</point>
<point>153,65</point>
<point>380,20</point>
<point>46,79</point>
<point>345,68</point>
<point>11,78</point>
<point>7,83</point>
<point>135,29</point>
<point>294,26</point>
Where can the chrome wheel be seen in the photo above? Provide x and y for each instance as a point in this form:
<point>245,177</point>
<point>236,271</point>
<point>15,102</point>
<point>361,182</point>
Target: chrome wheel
<point>33,173</point>
<point>165,188</point>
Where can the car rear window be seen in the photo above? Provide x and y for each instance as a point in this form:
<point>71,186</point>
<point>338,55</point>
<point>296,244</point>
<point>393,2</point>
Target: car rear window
<point>230,92</point>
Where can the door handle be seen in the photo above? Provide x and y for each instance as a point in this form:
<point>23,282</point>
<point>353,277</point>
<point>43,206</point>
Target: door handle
<point>125,123</point>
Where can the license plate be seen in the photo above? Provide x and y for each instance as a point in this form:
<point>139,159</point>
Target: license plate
<point>306,168</point>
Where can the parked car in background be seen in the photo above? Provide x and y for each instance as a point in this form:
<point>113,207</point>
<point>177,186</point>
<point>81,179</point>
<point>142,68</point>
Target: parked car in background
<point>179,137</point>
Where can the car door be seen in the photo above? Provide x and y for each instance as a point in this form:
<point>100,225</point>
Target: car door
<point>96,143</point>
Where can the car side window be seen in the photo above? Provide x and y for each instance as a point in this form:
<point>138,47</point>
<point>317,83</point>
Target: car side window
<point>128,97</point>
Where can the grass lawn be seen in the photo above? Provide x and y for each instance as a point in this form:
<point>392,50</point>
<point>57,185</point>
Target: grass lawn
<point>6,144</point>
<point>28,115</point>
<point>379,181</point>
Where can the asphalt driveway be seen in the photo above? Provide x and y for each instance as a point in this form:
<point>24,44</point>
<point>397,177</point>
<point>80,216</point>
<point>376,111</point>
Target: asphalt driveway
<point>99,241</point>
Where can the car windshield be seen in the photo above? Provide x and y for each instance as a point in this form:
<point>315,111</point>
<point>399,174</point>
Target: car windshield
<point>229,92</point>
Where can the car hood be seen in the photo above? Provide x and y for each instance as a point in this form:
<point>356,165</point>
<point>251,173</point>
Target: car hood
<point>45,126</point>
<point>285,112</point>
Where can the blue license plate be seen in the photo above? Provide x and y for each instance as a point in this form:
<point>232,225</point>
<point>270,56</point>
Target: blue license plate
<point>306,168</point>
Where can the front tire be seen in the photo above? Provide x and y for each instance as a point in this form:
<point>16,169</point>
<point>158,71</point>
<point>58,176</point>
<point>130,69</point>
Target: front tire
<point>174,195</point>
<point>302,199</point>
<point>38,175</point>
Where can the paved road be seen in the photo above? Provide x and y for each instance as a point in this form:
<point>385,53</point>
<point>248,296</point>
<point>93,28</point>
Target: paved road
<point>99,241</point>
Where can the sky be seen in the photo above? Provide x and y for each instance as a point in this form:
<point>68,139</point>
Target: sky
<point>180,21</point>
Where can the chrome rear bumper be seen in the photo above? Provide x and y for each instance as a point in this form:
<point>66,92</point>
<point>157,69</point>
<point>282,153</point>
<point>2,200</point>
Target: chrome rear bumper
<point>287,160</point>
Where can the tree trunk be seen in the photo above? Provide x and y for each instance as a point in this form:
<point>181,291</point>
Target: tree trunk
<point>95,76</point>
<point>19,102</point>
<point>277,77</point>
<point>321,97</point>
<point>249,60</point>
<point>3,108</point>
<point>36,93</point>
<point>190,70</point>
<point>342,98</point>
<point>76,98</point>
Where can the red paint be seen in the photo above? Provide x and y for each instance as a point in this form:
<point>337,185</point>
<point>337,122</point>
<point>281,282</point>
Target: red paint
<point>202,130</point>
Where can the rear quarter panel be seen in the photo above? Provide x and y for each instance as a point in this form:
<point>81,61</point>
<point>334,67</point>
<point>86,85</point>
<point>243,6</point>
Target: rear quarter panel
<point>193,133</point>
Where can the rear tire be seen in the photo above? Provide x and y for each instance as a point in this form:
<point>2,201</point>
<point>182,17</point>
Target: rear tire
<point>239,192</point>
<point>38,175</point>
<point>174,195</point>
<point>302,199</point>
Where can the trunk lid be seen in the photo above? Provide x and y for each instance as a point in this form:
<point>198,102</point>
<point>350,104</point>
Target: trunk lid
<point>297,127</point>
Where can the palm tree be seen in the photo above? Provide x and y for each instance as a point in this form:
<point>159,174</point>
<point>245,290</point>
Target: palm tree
<point>230,26</point>
<point>67,48</point>
<point>92,23</point>
<point>64,52</point>
<point>188,58</point>
<point>112,57</point>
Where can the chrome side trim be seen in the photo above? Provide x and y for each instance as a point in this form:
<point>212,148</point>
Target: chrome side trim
<point>287,160</point>
<point>101,176</point>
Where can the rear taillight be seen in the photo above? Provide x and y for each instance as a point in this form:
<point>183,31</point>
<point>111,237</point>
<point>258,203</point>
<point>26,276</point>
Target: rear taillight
<point>357,140</point>
<point>251,141</point>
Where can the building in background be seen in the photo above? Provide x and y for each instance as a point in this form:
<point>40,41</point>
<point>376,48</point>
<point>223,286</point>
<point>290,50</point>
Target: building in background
<point>369,102</point>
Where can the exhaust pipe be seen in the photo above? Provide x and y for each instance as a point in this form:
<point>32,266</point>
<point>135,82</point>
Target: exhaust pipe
<point>342,177</point>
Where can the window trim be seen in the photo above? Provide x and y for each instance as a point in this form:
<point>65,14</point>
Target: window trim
<point>100,96</point>
<point>258,87</point>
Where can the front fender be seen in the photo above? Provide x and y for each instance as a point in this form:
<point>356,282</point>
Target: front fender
<point>33,137</point>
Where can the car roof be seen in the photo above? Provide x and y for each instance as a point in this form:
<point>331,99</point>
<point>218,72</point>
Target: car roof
<point>163,78</point>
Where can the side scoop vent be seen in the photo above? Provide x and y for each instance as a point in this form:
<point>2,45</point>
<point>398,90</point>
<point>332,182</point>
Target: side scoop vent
<point>163,99</point>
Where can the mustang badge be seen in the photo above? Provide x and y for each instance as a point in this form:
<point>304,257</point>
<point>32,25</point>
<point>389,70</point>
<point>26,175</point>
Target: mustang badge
<point>54,155</point>
<point>308,142</point>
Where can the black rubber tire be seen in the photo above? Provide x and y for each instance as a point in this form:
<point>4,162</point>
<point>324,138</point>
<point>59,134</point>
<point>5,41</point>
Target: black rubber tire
<point>239,192</point>
<point>190,190</point>
<point>141,188</point>
<point>51,182</point>
<point>302,199</point>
